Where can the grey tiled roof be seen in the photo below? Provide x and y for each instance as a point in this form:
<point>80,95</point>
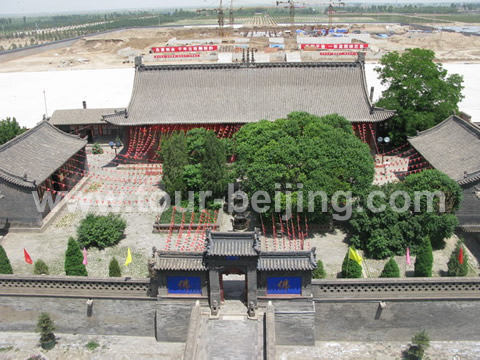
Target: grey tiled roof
<point>232,244</point>
<point>80,116</point>
<point>181,261</point>
<point>453,147</point>
<point>287,261</point>
<point>232,93</point>
<point>38,153</point>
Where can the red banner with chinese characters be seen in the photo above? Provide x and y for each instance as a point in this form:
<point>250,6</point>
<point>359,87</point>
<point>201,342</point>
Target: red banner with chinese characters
<point>335,46</point>
<point>164,49</point>
<point>337,53</point>
<point>176,56</point>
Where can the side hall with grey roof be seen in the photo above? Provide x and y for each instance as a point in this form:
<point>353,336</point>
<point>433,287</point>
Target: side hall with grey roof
<point>34,163</point>
<point>453,147</point>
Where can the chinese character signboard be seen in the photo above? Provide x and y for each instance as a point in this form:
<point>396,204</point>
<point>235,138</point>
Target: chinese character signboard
<point>184,285</point>
<point>291,285</point>
<point>335,46</point>
<point>170,49</point>
<point>175,56</point>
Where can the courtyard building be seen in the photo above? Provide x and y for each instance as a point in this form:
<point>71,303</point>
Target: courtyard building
<point>41,162</point>
<point>453,147</point>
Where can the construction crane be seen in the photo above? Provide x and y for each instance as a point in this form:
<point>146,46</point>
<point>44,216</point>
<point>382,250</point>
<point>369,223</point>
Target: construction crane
<point>291,5</point>
<point>221,16</point>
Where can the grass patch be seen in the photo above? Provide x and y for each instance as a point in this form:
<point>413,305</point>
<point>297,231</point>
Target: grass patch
<point>67,220</point>
<point>166,217</point>
<point>93,187</point>
<point>92,345</point>
<point>5,349</point>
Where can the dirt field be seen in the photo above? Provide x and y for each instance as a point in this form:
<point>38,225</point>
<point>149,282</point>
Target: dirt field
<point>116,49</point>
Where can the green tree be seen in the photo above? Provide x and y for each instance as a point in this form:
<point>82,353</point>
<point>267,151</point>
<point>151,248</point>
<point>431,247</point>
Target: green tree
<point>420,343</point>
<point>74,259</point>
<point>321,153</point>
<point>418,89</point>
<point>175,158</point>
<point>196,145</point>
<point>40,268</point>
<point>214,170</point>
<point>101,231</point>
<point>319,272</point>
<point>114,268</point>
<point>46,327</point>
<point>391,269</point>
<point>382,234</point>
<point>351,269</point>
<point>5,266</point>
<point>9,128</point>
<point>454,266</point>
<point>424,259</point>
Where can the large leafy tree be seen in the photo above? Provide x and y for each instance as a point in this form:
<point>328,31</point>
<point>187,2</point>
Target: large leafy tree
<point>214,171</point>
<point>320,153</point>
<point>382,234</point>
<point>420,90</point>
<point>175,158</point>
<point>9,128</point>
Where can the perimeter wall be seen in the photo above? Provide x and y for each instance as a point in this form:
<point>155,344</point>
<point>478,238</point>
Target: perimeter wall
<point>343,310</point>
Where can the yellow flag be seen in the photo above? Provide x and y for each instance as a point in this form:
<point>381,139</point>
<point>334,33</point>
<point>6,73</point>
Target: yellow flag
<point>129,257</point>
<point>352,254</point>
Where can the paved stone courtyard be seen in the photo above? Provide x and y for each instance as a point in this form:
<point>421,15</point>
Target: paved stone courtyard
<point>134,191</point>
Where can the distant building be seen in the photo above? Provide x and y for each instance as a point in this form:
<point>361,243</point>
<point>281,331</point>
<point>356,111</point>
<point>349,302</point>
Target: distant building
<point>223,97</point>
<point>453,147</point>
<point>86,123</point>
<point>41,158</point>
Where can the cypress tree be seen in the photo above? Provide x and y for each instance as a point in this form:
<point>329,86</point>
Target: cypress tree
<point>319,272</point>
<point>40,268</point>
<point>214,165</point>
<point>114,268</point>
<point>175,157</point>
<point>391,269</point>
<point>454,266</point>
<point>5,266</point>
<point>74,259</point>
<point>351,269</point>
<point>424,259</point>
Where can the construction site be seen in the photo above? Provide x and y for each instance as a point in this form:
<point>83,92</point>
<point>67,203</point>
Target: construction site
<point>227,39</point>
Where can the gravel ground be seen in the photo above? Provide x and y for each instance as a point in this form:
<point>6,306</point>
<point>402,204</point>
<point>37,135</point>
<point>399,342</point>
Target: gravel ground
<point>15,346</point>
<point>392,350</point>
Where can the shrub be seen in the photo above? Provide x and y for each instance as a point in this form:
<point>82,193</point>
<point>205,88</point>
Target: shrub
<point>454,266</point>
<point>5,266</point>
<point>420,343</point>
<point>424,259</point>
<point>319,272</point>
<point>114,268</point>
<point>40,268</point>
<point>46,327</point>
<point>92,345</point>
<point>74,259</point>
<point>391,269</point>
<point>101,231</point>
<point>351,269</point>
<point>97,149</point>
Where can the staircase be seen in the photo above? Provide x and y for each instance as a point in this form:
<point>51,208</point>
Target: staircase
<point>231,335</point>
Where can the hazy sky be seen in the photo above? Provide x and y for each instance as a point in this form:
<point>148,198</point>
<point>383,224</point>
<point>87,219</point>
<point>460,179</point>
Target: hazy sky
<point>52,6</point>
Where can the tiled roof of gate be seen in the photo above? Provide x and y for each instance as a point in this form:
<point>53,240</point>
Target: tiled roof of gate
<point>80,116</point>
<point>234,93</point>
<point>232,244</point>
<point>172,260</point>
<point>287,261</point>
<point>37,153</point>
<point>453,147</point>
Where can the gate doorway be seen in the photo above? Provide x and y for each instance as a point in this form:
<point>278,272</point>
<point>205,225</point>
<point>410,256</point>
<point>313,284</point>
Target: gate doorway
<point>233,285</point>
